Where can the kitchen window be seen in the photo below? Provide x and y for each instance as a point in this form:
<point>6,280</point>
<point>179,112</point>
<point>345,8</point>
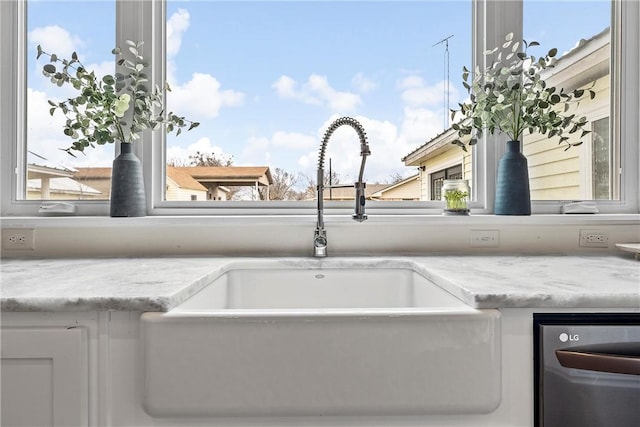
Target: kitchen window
<point>488,21</point>
<point>437,180</point>
<point>602,165</point>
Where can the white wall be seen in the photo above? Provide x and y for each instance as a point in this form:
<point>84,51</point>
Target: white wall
<point>293,235</point>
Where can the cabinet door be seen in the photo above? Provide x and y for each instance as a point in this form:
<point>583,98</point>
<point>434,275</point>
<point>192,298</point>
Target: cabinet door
<point>44,377</point>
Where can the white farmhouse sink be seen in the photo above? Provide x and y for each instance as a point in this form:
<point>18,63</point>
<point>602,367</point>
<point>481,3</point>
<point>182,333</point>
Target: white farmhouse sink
<point>270,339</point>
<point>308,289</point>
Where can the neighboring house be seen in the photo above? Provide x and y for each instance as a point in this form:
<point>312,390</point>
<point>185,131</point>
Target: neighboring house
<point>98,178</point>
<point>190,183</point>
<point>407,189</point>
<point>583,172</point>
<point>183,187</point>
<point>348,192</point>
<point>219,180</point>
<point>56,183</point>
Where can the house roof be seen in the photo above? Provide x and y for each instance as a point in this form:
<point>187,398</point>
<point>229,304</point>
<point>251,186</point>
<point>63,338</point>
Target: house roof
<point>183,179</point>
<point>192,177</point>
<point>390,187</point>
<point>348,193</point>
<point>439,141</point>
<point>63,185</point>
<point>93,173</point>
<point>230,175</point>
<point>40,167</point>
<point>39,171</point>
<point>586,62</point>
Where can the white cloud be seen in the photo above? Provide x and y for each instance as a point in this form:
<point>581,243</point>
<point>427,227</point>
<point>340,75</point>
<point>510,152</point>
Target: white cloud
<point>255,152</point>
<point>317,91</point>
<point>417,93</point>
<point>276,148</point>
<point>420,125</point>
<point>288,88</point>
<point>55,39</point>
<point>386,144</point>
<point>202,97</point>
<point>292,140</point>
<point>180,155</point>
<point>363,84</point>
<point>177,25</point>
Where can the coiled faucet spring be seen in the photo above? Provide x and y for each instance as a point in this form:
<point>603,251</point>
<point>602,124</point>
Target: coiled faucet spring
<point>320,240</point>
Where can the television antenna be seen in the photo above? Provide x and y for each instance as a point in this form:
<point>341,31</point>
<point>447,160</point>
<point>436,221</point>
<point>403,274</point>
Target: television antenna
<point>445,42</point>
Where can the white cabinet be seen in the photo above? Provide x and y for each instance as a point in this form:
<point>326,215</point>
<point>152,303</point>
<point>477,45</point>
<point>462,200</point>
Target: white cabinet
<point>44,376</point>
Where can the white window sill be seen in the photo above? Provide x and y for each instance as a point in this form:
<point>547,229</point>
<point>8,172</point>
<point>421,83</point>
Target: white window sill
<point>257,220</point>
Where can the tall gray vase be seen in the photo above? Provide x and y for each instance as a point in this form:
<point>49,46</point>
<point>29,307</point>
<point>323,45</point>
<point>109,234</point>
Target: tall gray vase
<point>512,184</point>
<point>127,185</point>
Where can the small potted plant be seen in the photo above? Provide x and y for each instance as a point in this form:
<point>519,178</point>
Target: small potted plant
<point>510,96</point>
<point>455,193</point>
<point>109,109</point>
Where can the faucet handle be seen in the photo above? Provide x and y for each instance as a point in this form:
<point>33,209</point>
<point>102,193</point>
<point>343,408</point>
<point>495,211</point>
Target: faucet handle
<point>359,214</point>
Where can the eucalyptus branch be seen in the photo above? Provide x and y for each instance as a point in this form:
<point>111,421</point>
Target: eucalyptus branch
<point>116,107</point>
<point>510,96</point>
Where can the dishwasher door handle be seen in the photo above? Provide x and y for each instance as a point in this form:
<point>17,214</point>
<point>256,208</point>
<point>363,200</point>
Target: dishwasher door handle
<point>618,358</point>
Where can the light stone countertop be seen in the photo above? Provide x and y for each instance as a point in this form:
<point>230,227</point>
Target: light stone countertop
<point>159,284</point>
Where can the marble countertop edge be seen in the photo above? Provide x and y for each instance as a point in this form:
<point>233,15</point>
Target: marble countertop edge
<point>160,284</point>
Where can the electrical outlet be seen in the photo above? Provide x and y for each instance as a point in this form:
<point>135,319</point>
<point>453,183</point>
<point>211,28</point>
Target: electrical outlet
<point>485,238</point>
<point>594,239</point>
<point>22,238</point>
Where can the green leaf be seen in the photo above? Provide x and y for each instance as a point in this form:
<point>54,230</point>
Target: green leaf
<point>49,68</point>
<point>108,79</point>
<point>553,52</point>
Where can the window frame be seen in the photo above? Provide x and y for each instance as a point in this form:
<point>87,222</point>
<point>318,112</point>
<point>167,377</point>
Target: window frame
<point>491,19</point>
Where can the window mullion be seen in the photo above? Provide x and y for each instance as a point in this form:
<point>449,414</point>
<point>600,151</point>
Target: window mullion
<point>493,19</point>
<point>136,21</point>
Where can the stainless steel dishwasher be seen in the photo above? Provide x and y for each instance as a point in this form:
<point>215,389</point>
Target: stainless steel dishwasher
<point>587,369</point>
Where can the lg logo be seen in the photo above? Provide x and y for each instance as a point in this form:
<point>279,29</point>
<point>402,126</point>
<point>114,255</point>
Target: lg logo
<point>566,337</point>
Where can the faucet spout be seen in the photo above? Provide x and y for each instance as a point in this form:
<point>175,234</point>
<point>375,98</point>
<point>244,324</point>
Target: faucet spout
<point>320,240</point>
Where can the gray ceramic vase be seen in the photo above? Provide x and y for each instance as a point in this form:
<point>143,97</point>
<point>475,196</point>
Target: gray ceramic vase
<point>128,198</point>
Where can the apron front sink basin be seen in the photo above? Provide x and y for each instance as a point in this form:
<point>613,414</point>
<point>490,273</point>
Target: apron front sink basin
<point>271,339</point>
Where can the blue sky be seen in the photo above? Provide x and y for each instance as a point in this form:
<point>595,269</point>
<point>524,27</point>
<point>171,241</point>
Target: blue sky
<point>266,78</point>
